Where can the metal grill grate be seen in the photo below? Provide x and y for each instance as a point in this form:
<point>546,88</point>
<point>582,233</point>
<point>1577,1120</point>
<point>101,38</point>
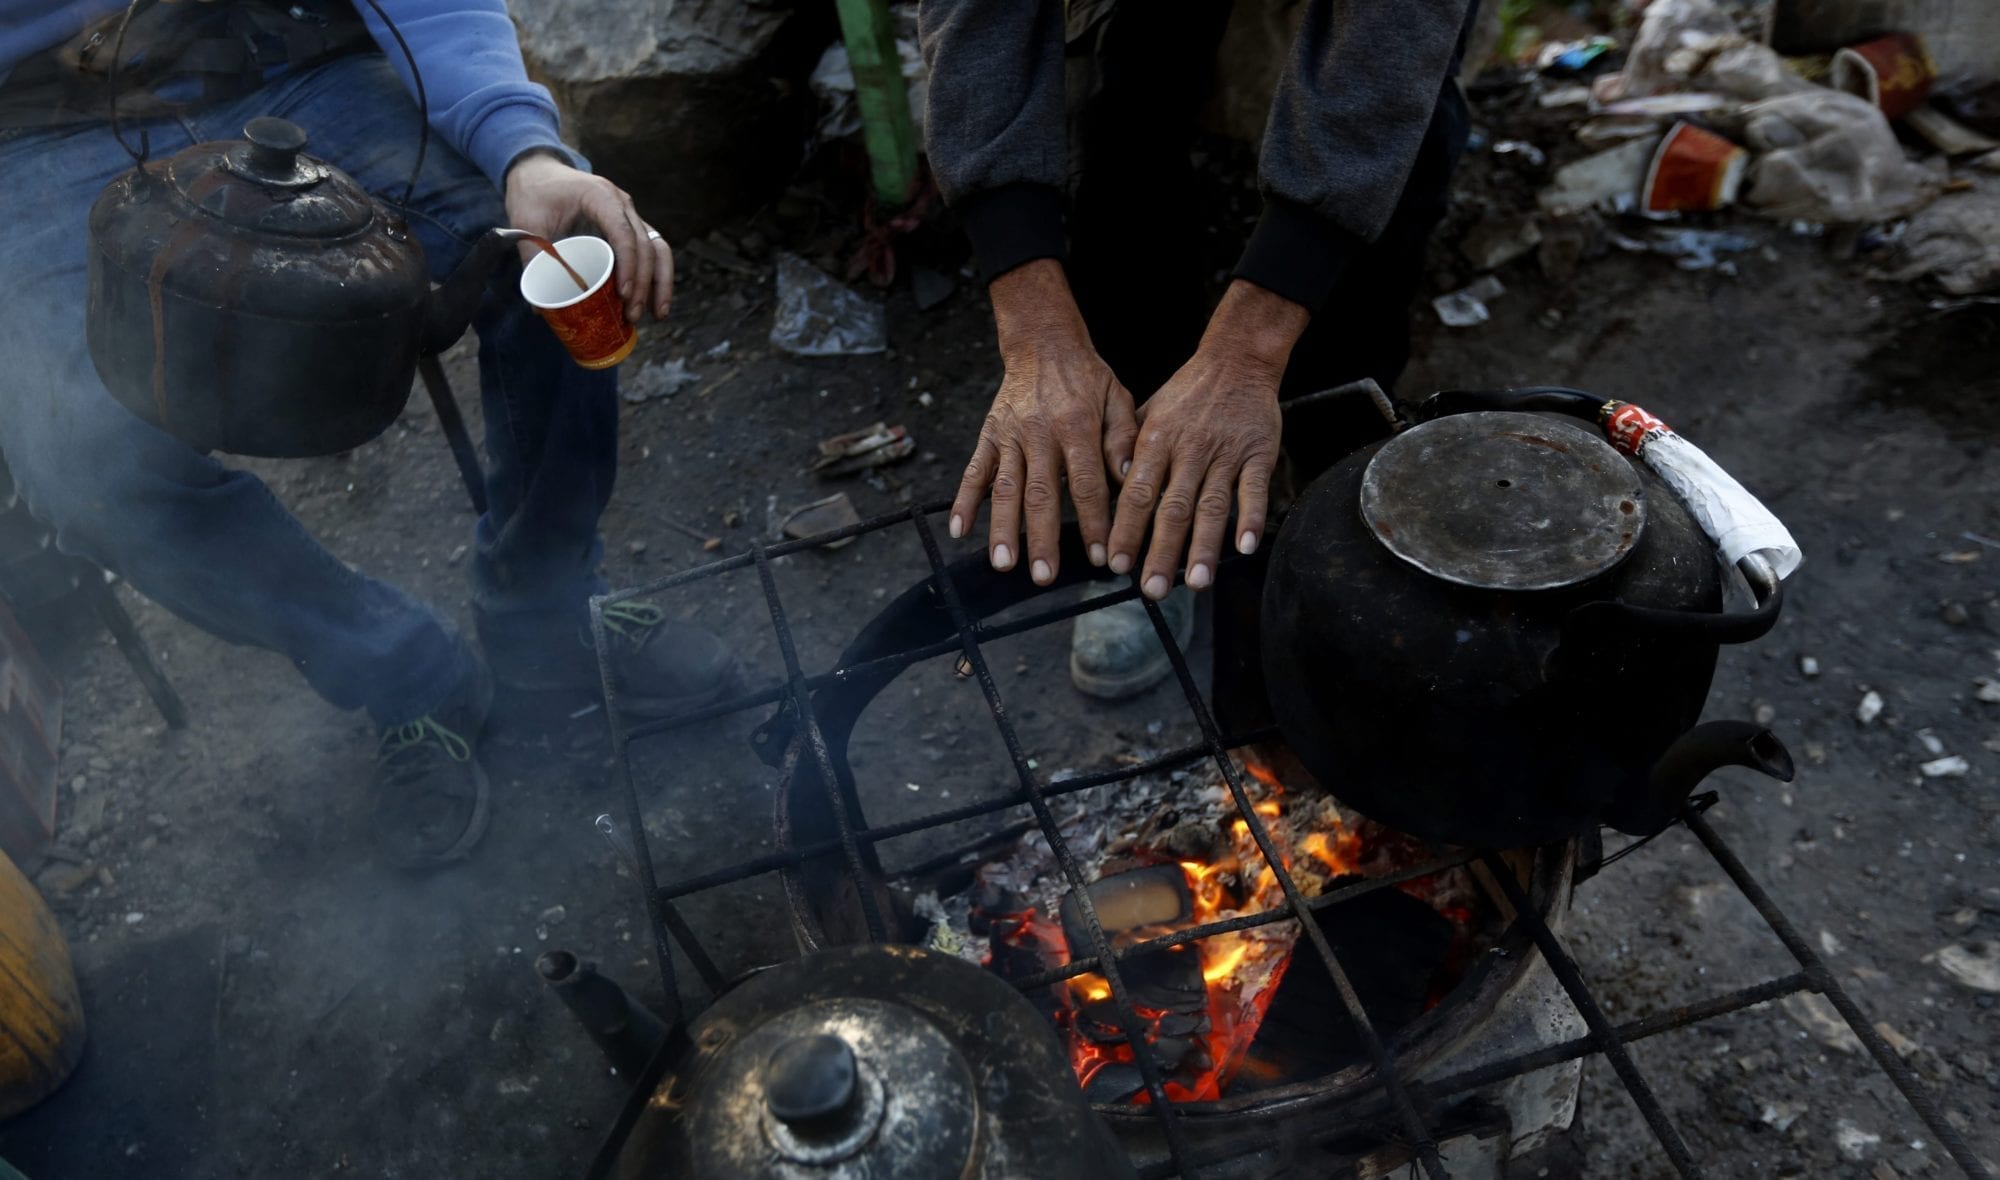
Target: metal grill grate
<point>1391,1095</point>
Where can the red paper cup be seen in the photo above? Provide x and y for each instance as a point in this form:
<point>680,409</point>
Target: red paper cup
<point>590,323</point>
<point>1893,72</point>
<point>1694,171</point>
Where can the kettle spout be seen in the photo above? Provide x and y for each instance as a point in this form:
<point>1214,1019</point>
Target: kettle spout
<point>456,301</point>
<point>1649,806</point>
<point>628,1034</point>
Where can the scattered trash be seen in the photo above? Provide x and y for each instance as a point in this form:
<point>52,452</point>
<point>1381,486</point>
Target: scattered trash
<point>1870,708</point>
<point>1947,134</point>
<point>1903,1045</point>
<point>1609,180</point>
<point>1466,307</point>
<point>1674,41</point>
<point>1780,1116</point>
<point>1691,249</point>
<point>832,82</point>
<point>821,516</point>
<point>1817,1015</point>
<point>1892,73</point>
<point>1854,1143</point>
<point>1694,171</point>
<point>1831,157</point>
<point>1500,239</point>
<point>1953,767</point>
<point>1959,556</point>
<point>1974,964</point>
<point>818,316</point>
<point>1570,57</point>
<point>1955,241</point>
<point>656,379</point>
<point>878,445</point>
<point>1564,96</point>
<point>1528,153</point>
<point>1829,943</point>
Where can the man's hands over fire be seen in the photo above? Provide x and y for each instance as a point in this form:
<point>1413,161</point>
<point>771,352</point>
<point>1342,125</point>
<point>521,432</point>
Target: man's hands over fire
<point>1059,413</point>
<point>1207,441</point>
<point>546,196</point>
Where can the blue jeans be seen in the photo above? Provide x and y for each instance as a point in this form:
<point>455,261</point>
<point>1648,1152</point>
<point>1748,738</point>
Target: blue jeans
<point>213,544</point>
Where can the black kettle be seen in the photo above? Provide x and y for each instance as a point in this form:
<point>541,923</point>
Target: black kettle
<point>1492,629</point>
<point>246,297</point>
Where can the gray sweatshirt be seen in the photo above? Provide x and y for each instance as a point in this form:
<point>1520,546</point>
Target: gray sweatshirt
<point>1352,104</point>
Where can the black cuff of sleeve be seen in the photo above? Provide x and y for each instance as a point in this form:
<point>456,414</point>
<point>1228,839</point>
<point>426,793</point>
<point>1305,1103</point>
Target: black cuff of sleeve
<point>1296,253</point>
<point>1013,224</point>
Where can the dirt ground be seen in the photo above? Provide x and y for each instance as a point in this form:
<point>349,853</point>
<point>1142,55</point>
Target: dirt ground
<point>266,998</point>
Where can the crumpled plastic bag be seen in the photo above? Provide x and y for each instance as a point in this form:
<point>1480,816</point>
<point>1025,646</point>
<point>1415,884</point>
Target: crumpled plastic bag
<point>817,316</point>
<point>1829,157</point>
<point>1957,241</point>
<point>1674,42</point>
<point>1692,45</point>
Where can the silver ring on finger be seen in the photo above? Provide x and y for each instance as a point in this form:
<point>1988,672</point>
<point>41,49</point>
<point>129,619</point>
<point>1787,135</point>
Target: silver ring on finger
<point>653,235</point>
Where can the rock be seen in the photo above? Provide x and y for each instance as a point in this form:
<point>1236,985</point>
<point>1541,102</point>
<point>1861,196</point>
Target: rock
<point>1869,709</point>
<point>1954,613</point>
<point>1974,964</point>
<point>1499,240</point>
<point>1808,667</point>
<point>1953,767</point>
<point>1829,943</point>
<point>1932,744</point>
<point>1986,690</point>
<point>65,878</point>
<point>1780,1116</point>
<point>1816,1014</point>
<point>1854,1143</point>
<point>696,107</point>
<point>1764,714</point>
<point>554,915</point>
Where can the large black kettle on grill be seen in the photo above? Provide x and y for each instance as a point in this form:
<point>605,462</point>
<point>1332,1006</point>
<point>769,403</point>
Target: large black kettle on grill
<point>1492,629</point>
<point>246,297</point>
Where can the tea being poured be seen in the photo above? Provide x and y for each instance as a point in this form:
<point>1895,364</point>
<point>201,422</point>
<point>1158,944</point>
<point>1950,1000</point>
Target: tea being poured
<point>549,248</point>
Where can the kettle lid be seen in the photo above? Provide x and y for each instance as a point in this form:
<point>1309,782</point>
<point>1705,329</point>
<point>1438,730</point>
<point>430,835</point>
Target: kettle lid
<point>1501,500</point>
<point>264,183</point>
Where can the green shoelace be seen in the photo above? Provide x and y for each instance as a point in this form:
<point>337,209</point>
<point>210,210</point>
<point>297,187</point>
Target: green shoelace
<point>631,620</point>
<point>424,730</point>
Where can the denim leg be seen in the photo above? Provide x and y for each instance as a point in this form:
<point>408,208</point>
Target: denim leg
<point>211,544</point>
<point>551,425</point>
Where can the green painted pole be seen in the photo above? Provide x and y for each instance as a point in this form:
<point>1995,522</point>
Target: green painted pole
<point>885,102</point>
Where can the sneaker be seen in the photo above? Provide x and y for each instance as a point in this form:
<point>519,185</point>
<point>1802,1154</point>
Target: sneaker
<point>659,665</point>
<point>431,801</point>
<point>1114,653</point>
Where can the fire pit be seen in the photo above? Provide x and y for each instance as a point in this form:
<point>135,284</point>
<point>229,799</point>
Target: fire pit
<point>1128,945</point>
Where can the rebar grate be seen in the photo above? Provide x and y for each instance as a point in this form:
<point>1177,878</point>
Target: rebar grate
<point>1403,1101</point>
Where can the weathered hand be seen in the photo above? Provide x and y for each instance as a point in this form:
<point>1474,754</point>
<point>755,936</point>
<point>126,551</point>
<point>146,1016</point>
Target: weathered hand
<point>546,196</point>
<point>1059,413</point>
<point>1207,439</point>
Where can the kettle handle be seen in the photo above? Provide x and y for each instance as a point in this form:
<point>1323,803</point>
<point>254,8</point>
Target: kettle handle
<point>1725,627</point>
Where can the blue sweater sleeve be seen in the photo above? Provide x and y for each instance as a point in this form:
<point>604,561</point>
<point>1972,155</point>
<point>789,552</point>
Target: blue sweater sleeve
<point>481,100</point>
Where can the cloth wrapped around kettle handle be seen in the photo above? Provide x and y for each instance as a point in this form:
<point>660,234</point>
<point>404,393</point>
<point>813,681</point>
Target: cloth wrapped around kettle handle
<point>1746,533</point>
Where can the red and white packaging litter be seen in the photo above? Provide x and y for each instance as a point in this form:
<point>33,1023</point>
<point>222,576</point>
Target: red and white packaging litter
<point>1735,520</point>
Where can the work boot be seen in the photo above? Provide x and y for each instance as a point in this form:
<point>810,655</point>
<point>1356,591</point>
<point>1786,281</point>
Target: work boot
<point>431,801</point>
<point>659,666</point>
<point>1114,653</point>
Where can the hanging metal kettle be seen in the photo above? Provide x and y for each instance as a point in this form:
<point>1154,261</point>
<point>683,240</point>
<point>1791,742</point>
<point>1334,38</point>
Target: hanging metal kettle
<point>247,297</point>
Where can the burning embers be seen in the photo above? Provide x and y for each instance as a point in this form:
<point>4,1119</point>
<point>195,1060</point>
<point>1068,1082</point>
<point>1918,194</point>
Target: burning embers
<point>1237,1009</point>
